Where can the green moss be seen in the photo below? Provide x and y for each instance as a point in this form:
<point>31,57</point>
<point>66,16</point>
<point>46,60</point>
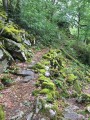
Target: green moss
<point>35,92</point>
<point>45,62</point>
<point>37,84</point>
<point>77,86</point>
<point>2,114</point>
<point>42,71</point>
<point>39,66</point>
<point>6,80</point>
<point>3,14</point>
<point>58,83</point>
<point>1,86</point>
<point>50,97</point>
<point>42,78</point>
<point>71,78</point>
<point>1,25</point>
<point>64,94</point>
<point>85,98</point>
<point>47,56</point>
<point>55,106</point>
<point>48,85</point>
<point>11,29</point>
<point>83,112</point>
<point>88,79</point>
<point>45,91</point>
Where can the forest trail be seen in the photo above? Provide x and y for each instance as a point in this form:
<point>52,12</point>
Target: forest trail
<point>17,99</point>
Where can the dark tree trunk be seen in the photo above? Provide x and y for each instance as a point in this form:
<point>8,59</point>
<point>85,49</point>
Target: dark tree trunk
<point>5,5</point>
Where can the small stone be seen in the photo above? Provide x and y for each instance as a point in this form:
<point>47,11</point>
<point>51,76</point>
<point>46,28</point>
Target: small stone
<point>43,119</point>
<point>18,116</point>
<point>1,54</point>
<point>70,113</point>
<point>38,105</point>
<point>26,103</point>
<point>48,105</point>
<point>46,67</point>
<point>25,72</point>
<point>52,113</point>
<point>27,79</point>
<point>29,116</point>
<point>88,108</point>
<point>47,74</point>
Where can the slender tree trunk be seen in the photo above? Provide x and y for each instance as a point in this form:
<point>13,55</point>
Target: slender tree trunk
<point>5,5</point>
<point>78,23</point>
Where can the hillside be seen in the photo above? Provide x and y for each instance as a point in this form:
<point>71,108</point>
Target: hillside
<point>40,80</point>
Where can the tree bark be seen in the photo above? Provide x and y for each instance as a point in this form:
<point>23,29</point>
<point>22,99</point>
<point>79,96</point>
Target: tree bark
<point>5,5</point>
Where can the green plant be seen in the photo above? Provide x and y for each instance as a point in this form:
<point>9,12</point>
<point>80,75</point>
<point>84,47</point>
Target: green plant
<point>2,114</point>
<point>6,80</point>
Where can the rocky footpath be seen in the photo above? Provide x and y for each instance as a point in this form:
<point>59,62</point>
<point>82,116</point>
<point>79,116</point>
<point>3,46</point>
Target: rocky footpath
<point>50,87</point>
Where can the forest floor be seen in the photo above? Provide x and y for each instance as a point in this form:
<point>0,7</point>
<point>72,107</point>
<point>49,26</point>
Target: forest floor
<point>18,99</point>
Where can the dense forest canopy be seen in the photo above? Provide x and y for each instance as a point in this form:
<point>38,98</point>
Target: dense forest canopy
<point>43,15</point>
<point>51,20</point>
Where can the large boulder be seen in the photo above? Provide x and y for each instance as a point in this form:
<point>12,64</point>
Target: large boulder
<point>14,42</point>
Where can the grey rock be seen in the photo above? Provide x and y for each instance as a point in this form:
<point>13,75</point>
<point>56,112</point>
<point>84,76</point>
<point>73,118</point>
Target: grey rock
<point>71,108</point>
<point>18,116</point>
<point>1,86</point>
<point>27,103</point>
<point>48,106</point>
<point>43,119</point>
<point>15,49</point>
<point>47,73</point>
<point>29,116</point>
<point>38,105</point>
<point>74,116</point>
<point>52,113</point>
<point>70,113</point>
<point>27,42</point>
<point>1,54</point>
<point>47,68</point>
<point>27,79</point>
<point>25,72</point>
<point>88,108</point>
<point>3,65</point>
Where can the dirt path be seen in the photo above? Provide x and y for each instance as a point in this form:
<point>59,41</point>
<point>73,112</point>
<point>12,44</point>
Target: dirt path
<point>18,98</point>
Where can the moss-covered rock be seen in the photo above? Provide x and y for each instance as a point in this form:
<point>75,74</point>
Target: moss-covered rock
<point>84,98</point>
<point>42,79</point>
<point>48,85</point>
<point>39,66</point>
<point>71,78</point>
<point>77,86</point>
<point>35,92</point>
<point>6,80</point>
<point>42,71</point>
<point>13,39</point>
<point>44,91</point>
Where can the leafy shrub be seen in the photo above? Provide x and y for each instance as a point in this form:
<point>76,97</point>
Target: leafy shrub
<point>83,52</point>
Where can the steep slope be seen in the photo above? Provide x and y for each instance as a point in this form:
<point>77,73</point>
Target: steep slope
<point>63,86</point>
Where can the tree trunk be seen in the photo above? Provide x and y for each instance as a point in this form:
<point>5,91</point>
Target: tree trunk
<point>78,25</point>
<point>5,5</point>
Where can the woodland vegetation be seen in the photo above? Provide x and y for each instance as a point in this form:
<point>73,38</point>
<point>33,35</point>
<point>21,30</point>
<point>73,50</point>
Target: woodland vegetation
<point>52,38</point>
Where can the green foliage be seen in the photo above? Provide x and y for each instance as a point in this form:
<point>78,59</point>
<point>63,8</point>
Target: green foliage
<point>6,80</point>
<point>2,114</point>
<point>83,52</point>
